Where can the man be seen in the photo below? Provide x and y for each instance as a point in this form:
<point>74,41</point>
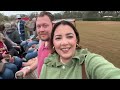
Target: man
<point>21,27</point>
<point>44,27</point>
<point>12,32</point>
<point>31,26</point>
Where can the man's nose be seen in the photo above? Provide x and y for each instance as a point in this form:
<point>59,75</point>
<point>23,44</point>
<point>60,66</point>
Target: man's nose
<point>41,29</point>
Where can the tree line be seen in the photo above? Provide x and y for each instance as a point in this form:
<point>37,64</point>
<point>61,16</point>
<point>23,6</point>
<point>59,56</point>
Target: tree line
<point>67,14</point>
<point>86,14</point>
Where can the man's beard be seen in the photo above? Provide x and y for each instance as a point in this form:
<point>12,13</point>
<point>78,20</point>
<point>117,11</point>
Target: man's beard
<point>45,39</point>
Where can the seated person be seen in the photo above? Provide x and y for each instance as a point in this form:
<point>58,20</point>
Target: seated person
<point>7,73</point>
<point>28,43</point>
<point>12,33</point>
<point>17,49</point>
<point>32,52</point>
<point>7,47</point>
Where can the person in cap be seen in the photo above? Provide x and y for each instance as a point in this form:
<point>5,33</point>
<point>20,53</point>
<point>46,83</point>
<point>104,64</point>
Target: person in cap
<point>21,27</point>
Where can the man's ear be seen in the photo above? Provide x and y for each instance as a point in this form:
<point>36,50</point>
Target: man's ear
<point>53,24</point>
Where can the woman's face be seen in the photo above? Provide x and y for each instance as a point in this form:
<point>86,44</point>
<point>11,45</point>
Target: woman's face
<point>65,41</point>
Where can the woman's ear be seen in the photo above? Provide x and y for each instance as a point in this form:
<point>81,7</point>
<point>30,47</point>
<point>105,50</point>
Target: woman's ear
<point>77,41</point>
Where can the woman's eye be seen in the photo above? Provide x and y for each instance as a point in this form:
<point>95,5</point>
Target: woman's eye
<point>69,36</point>
<point>57,38</point>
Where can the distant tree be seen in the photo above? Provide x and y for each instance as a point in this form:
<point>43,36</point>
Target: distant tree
<point>23,15</point>
<point>66,14</point>
<point>117,13</point>
<point>58,16</point>
<point>6,18</point>
<point>33,14</point>
<point>91,14</point>
<point>12,17</point>
<point>1,17</point>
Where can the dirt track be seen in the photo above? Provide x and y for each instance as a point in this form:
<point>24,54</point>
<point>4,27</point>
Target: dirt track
<point>102,38</point>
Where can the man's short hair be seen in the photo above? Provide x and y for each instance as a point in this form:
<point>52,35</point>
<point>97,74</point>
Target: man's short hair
<point>50,15</point>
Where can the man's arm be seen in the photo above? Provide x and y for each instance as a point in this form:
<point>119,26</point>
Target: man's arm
<point>26,70</point>
<point>33,66</point>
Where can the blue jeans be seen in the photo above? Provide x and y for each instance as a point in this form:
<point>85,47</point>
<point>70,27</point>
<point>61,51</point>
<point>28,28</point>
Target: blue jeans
<point>24,44</point>
<point>27,44</point>
<point>11,66</point>
<point>7,74</point>
<point>31,54</point>
<point>18,62</point>
<point>31,43</point>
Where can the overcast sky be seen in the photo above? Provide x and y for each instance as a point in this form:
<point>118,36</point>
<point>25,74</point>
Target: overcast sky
<point>9,13</point>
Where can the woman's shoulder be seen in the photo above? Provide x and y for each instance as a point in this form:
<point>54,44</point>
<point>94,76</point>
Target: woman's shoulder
<point>51,59</point>
<point>82,52</point>
<point>94,59</point>
<point>85,54</point>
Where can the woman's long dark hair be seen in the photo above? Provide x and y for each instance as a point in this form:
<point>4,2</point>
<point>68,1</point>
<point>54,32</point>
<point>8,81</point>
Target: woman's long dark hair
<point>64,23</point>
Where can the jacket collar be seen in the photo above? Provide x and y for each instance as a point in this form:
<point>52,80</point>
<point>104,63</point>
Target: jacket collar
<point>53,60</point>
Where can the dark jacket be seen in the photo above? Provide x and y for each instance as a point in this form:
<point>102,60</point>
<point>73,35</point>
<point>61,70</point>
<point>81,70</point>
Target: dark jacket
<point>13,51</point>
<point>14,35</point>
<point>22,27</point>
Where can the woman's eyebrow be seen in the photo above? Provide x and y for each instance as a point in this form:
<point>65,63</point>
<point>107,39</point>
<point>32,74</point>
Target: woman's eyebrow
<point>57,35</point>
<point>69,34</point>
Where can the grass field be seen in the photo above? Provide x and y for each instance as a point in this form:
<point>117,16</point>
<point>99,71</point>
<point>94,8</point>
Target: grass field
<point>101,37</point>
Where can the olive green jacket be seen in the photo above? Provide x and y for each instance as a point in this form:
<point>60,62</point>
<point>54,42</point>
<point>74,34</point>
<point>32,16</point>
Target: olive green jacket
<point>96,67</point>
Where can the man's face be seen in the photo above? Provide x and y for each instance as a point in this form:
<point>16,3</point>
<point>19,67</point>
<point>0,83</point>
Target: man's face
<point>44,27</point>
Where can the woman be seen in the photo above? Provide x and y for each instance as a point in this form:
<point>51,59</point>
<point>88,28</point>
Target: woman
<point>13,59</point>
<point>68,57</point>
<point>10,68</point>
<point>13,47</point>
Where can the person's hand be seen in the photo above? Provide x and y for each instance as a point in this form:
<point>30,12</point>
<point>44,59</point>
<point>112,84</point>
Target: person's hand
<point>2,49</point>
<point>38,37</point>
<point>6,55</point>
<point>35,50</point>
<point>29,40</point>
<point>33,46</point>
<point>29,63</point>
<point>25,71</point>
<point>16,46</point>
<point>12,59</point>
<point>30,48</point>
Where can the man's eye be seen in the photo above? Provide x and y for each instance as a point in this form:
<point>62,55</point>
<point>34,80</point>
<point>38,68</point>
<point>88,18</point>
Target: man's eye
<point>38,26</point>
<point>45,26</point>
